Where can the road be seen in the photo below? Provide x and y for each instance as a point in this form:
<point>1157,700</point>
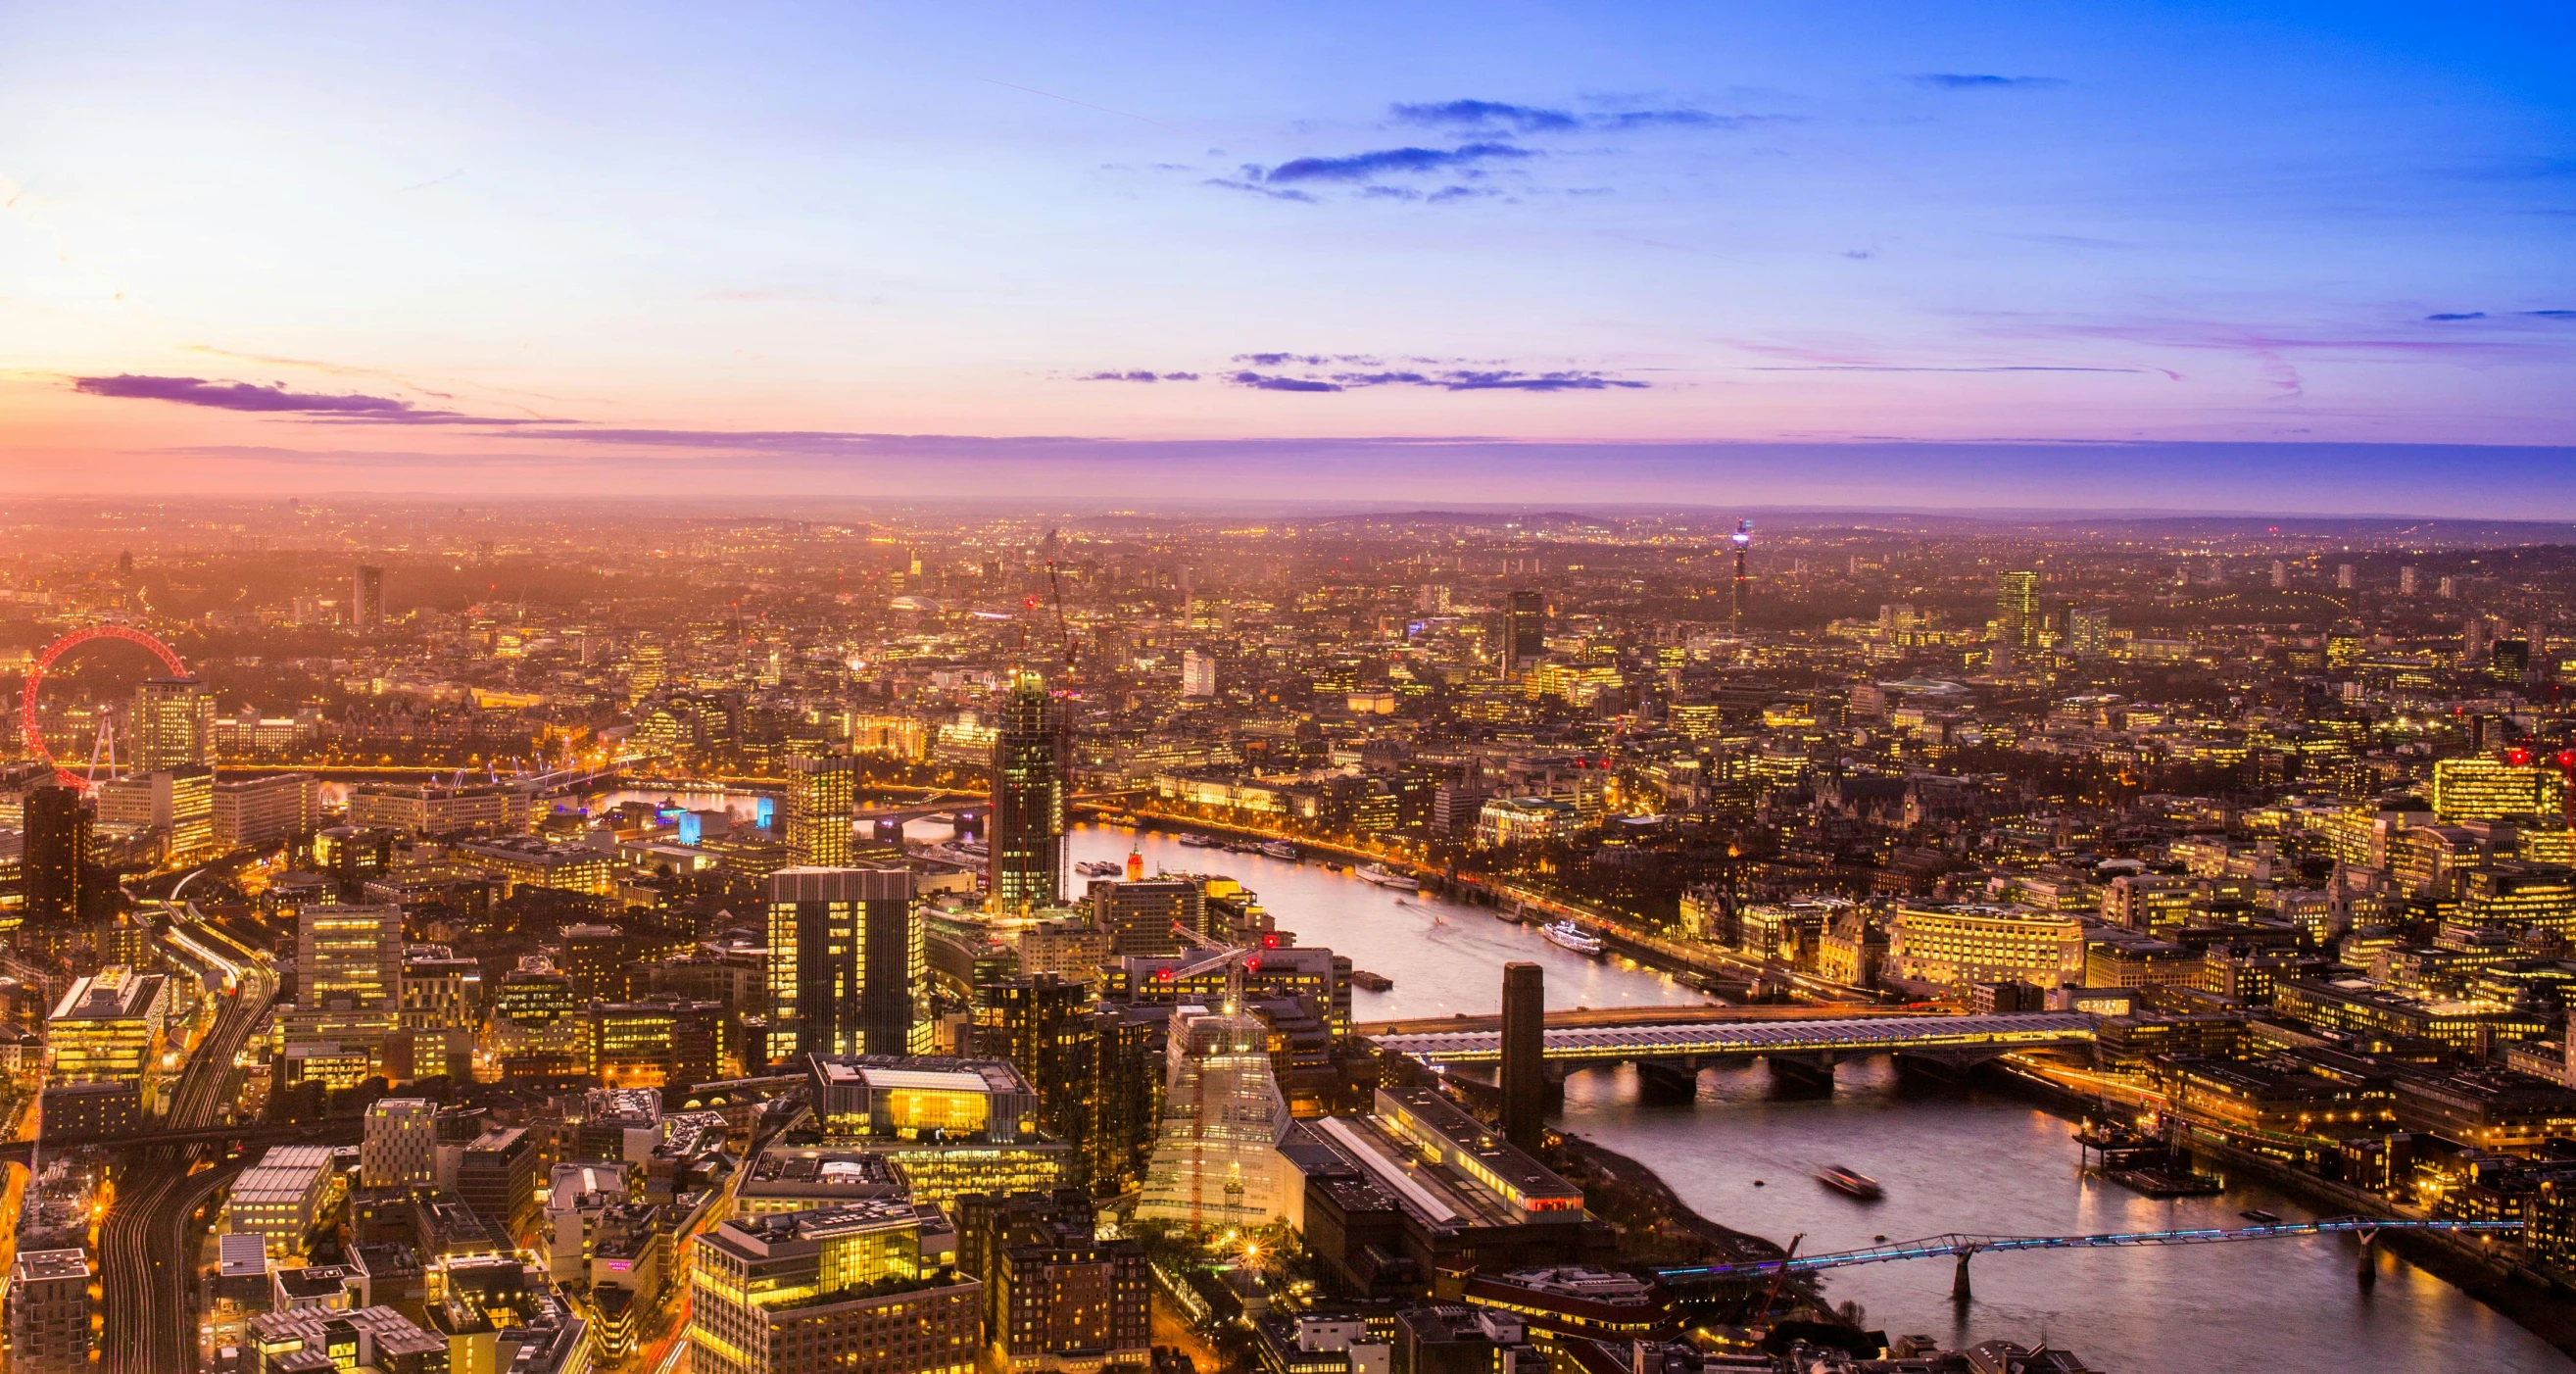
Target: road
<point>667,1345</point>
<point>147,1250</point>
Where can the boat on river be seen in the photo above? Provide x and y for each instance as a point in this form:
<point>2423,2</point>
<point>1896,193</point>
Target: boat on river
<point>1102,869</point>
<point>1850,1183</point>
<point>1384,876</point>
<point>1194,840</point>
<point>1568,935</point>
<point>1279,849</point>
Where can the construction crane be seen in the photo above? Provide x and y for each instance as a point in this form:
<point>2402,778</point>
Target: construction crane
<point>1212,953</point>
<point>1055,594</point>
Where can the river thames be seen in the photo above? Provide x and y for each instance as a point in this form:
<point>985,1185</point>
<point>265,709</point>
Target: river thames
<point>1952,1161</point>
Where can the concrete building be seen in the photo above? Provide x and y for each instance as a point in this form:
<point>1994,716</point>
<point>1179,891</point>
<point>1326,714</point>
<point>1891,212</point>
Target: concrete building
<point>49,1312</point>
<point>261,813</point>
<point>400,1147</point>
<point>107,1028</point>
<point>279,1199</point>
<point>839,1290</point>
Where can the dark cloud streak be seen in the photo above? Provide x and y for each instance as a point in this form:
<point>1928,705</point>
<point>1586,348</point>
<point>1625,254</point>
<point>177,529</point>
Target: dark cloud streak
<point>275,399</point>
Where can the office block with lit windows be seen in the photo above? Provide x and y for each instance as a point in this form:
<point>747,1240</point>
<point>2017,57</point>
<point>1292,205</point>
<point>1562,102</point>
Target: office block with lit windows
<point>950,1126</point>
<point>1057,1297</point>
<point>836,1290</point>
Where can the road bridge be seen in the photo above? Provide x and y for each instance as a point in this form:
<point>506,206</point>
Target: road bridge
<point>1669,1057</point>
<point>1961,1247</point>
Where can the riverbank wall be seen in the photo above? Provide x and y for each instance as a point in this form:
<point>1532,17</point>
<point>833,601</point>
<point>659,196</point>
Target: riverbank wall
<point>2532,1300</point>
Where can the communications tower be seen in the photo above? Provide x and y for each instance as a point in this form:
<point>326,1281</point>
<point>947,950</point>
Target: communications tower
<point>1743,540</point>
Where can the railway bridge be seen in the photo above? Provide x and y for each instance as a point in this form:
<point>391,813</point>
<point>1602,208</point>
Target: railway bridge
<point>1669,1057</point>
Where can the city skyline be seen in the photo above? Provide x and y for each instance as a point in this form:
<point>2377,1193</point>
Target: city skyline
<point>1845,255</point>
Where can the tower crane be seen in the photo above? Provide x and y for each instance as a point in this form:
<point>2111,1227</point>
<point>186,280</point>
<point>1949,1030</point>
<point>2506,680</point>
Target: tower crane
<point>1213,953</point>
<point>1055,594</point>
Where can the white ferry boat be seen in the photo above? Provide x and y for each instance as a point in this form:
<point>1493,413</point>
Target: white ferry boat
<point>1568,935</point>
<point>1384,876</point>
<point>1279,849</point>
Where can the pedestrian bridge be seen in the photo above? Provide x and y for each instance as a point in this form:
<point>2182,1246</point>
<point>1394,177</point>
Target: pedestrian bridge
<point>1959,1041</point>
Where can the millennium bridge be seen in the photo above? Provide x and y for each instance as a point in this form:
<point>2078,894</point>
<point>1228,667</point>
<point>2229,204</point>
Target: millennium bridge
<point>1961,1247</point>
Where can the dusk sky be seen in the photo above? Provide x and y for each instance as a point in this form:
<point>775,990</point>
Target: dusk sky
<point>2194,257</point>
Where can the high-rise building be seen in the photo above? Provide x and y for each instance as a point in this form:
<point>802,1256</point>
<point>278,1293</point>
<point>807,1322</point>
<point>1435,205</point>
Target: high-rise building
<point>1025,867</point>
<point>1216,1160</point>
<point>820,793</point>
<point>2280,573</point>
<point>830,1290</point>
<point>1524,631</point>
<point>1524,1066</point>
<point>1042,1024</point>
<point>173,725</point>
<point>2088,632</point>
<point>1198,674</point>
<point>400,1147</point>
<point>57,853</point>
<point>349,957</point>
<point>49,1312</point>
<point>2343,577</point>
<point>2406,580</point>
<point>1056,1295</point>
<point>849,971</point>
<point>367,600</point>
<point>2017,609</point>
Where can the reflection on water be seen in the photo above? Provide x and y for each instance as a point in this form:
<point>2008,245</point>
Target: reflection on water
<point>1445,958</point>
<point>1975,1162</point>
<point>1952,1161</point>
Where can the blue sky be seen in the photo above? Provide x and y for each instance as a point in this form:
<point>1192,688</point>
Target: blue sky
<point>338,246</point>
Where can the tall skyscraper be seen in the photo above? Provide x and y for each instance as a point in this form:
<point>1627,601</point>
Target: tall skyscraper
<point>367,600</point>
<point>1524,1066</point>
<point>2017,609</point>
<point>1216,1160</point>
<point>1025,867</point>
<point>2406,580</point>
<point>57,850</point>
<point>1524,631</point>
<point>174,725</point>
<point>820,793</point>
<point>849,971</point>
<point>2343,577</point>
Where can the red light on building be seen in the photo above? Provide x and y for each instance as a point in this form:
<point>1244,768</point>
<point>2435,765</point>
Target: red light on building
<point>1271,940</point>
<point>2567,758</point>
<point>2517,757</point>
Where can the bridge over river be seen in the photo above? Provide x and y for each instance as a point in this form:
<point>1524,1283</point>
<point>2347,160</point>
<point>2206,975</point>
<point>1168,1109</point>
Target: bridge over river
<point>1808,1048</point>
